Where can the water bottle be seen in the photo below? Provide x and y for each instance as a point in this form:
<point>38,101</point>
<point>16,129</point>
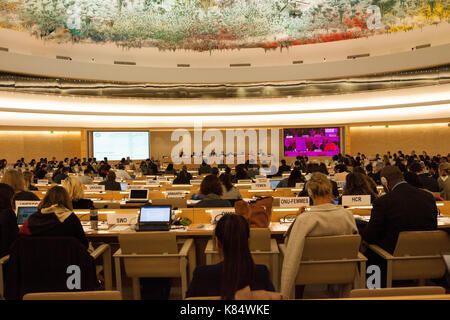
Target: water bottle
<point>93,218</point>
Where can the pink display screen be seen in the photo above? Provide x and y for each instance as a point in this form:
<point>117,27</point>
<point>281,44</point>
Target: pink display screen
<point>311,142</point>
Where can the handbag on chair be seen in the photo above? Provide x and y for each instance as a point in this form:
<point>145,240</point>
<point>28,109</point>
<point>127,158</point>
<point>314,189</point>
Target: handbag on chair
<point>257,213</point>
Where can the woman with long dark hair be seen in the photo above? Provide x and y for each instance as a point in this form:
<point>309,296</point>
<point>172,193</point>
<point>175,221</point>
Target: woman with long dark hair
<point>230,192</point>
<point>357,184</point>
<point>236,270</point>
<point>8,220</point>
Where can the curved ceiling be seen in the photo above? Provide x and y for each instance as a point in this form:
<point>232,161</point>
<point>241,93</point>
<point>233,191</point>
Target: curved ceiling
<point>431,102</point>
<point>414,49</point>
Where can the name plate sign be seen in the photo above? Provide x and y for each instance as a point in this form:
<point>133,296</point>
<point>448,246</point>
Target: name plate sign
<point>23,203</point>
<point>216,214</point>
<point>151,182</point>
<point>175,194</point>
<point>95,187</point>
<point>134,187</point>
<point>263,185</point>
<point>42,182</point>
<point>261,180</point>
<point>294,202</point>
<point>299,185</point>
<point>195,182</point>
<point>245,181</point>
<point>350,200</point>
<point>121,218</point>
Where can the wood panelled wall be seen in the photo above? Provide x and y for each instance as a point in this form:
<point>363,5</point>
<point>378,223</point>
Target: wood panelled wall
<point>37,144</point>
<point>434,138</point>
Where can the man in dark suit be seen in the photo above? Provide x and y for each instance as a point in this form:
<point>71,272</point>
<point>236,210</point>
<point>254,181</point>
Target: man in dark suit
<point>402,208</point>
<point>428,182</point>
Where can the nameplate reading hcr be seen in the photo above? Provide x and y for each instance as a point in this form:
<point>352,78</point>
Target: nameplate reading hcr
<point>351,200</point>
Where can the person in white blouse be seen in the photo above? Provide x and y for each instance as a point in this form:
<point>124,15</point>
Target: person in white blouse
<point>121,174</point>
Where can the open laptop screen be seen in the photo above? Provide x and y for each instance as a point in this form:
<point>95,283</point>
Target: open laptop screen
<point>274,183</point>
<point>155,214</point>
<point>138,194</point>
<point>24,212</point>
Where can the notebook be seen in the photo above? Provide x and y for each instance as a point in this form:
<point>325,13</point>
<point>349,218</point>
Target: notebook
<point>155,218</point>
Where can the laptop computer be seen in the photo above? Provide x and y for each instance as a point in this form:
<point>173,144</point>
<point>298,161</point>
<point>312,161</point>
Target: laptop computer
<point>274,183</point>
<point>24,209</point>
<point>155,218</point>
<point>138,196</point>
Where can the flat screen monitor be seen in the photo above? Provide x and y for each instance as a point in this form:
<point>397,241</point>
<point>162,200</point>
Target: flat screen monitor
<point>311,142</point>
<point>116,145</point>
<point>155,214</point>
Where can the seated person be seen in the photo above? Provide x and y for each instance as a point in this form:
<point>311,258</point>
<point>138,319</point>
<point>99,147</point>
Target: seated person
<point>122,174</point>
<point>241,173</point>
<point>215,171</point>
<point>55,218</point>
<point>211,190</point>
<point>427,181</point>
<point>236,270</point>
<point>14,178</point>
<point>169,169</point>
<point>356,184</point>
<point>283,168</point>
<point>28,179</point>
<point>295,177</point>
<point>61,175</point>
<point>324,219</point>
<point>110,183</point>
<point>182,178</point>
<point>402,208</point>
<point>88,176</point>
<point>444,181</point>
<point>341,172</point>
<point>8,219</point>
<point>230,192</point>
<point>204,168</point>
<point>74,188</point>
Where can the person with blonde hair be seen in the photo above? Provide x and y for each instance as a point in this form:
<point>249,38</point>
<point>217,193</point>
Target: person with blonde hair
<point>28,178</point>
<point>14,178</point>
<point>74,188</point>
<point>55,218</point>
<point>323,219</point>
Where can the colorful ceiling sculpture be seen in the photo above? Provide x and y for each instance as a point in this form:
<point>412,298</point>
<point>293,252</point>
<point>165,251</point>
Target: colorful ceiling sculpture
<point>204,25</point>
